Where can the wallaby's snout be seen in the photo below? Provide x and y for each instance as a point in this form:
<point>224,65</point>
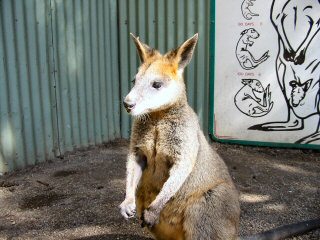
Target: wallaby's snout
<point>128,105</point>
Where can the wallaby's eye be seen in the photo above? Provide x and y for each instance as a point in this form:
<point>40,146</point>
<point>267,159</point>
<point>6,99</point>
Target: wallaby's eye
<point>133,81</point>
<point>157,85</point>
<point>293,83</point>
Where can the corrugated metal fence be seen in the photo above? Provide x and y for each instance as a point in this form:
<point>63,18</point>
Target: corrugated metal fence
<point>59,87</point>
<point>165,24</point>
<point>85,55</point>
<point>66,65</point>
<point>27,124</point>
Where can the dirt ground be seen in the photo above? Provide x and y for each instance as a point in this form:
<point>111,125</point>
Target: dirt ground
<point>77,197</point>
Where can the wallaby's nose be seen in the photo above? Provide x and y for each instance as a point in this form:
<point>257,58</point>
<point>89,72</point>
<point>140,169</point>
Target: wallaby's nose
<point>129,106</point>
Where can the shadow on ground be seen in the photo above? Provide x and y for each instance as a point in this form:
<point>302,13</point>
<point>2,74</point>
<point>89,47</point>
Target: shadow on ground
<point>114,236</point>
<point>277,186</point>
<point>77,197</point>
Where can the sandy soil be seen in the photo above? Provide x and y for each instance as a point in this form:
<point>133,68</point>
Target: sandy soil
<point>77,197</point>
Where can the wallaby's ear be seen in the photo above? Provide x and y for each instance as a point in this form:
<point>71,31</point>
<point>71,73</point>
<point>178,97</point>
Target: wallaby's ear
<point>307,85</point>
<point>144,51</point>
<point>183,54</point>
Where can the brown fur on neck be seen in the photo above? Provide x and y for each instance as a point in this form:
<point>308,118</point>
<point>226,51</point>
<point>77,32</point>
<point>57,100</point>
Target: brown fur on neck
<point>171,111</point>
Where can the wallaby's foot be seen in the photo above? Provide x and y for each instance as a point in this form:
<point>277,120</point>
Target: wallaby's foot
<point>128,208</point>
<point>150,217</point>
<point>297,124</point>
<point>266,54</point>
<point>313,139</point>
<point>270,106</point>
<point>263,58</point>
<point>268,98</point>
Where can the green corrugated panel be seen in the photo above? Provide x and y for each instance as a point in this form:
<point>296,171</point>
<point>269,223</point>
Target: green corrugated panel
<point>26,125</point>
<point>86,45</point>
<point>125,77</point>
<point>59,78</point>
<point>165,24</point>
<point>65,67</point>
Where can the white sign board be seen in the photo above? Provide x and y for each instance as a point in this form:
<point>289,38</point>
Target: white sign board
<point>267,71</point>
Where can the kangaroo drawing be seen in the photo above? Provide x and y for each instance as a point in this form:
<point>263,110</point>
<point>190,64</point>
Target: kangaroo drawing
<point>292,18</point>
<point>297,65</point>
<point>178,185</point>
<point>245,8</point>
<point>246,59</point>
<point>252,99</point>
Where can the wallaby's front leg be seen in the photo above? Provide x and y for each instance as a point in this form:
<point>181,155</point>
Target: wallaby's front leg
<point>178,174</point>
<point>135,166</point>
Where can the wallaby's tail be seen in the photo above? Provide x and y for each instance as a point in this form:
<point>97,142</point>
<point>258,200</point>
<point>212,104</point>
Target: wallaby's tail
<point>286,231</point>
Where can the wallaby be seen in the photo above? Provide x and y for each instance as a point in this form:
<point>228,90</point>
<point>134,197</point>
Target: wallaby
<point>245,8</point>
<point>246,60</point>
<point>252,99</point>
<point>180,187</point>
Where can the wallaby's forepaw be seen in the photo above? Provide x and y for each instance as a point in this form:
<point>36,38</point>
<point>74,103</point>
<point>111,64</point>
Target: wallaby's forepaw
<point>128,208</point>
<point>150,217</point>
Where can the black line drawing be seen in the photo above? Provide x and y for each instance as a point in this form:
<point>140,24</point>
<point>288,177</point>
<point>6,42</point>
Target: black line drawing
<point>289,14</point>
<point>298,71</point>
<point>246,59</point>
<point>246,12</point>
<point>252,99</point>
<point>298,91</point>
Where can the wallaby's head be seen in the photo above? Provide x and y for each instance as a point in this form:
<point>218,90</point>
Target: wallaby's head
<point>159,84</point>
<point>299,89</point>
<point>251,32</point>
<point>255,84</point>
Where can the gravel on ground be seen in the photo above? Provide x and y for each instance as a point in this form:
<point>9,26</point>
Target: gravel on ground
<point>77,197</point>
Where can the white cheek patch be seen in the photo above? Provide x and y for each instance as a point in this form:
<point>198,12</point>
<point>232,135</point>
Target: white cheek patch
<point>165,96</point>
<point>152,99</point>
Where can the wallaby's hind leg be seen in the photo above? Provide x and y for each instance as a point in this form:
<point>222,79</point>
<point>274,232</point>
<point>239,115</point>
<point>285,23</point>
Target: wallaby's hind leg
<point>263,58</point>
<point>213,216</point>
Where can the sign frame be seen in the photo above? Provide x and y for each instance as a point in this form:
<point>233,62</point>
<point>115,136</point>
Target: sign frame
<point>212,132</point>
